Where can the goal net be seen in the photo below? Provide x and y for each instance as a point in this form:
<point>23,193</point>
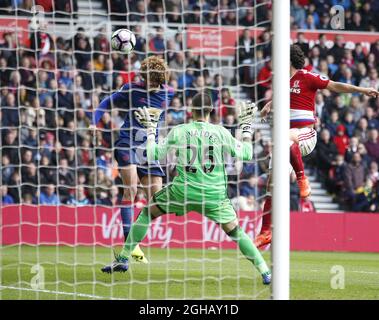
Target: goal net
<point>61,186</point>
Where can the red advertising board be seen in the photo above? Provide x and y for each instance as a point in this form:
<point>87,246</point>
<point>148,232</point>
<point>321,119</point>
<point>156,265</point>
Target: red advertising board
<point>215,41</point>
<point>353,232</point>
<point>63,225</point>
<point>18,26</point>
<point>355,37</point>
<point>221,41</point>
<point>364,38</point>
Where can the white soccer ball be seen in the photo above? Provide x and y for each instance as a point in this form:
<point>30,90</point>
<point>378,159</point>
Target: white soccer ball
<point>123,40</point>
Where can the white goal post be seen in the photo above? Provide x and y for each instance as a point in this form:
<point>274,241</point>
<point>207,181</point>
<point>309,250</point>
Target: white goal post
<point>281,213</point>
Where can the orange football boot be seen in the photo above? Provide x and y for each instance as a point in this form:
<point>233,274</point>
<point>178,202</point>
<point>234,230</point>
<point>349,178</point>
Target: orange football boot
<point>264,238</point>
<point>305,188</point>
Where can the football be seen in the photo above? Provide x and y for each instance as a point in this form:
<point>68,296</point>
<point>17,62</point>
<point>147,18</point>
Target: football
<point>123,40</point>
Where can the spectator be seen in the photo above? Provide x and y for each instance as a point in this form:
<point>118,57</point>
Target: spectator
<point>115,197</point>
<point>322,46</point>
<point>352,148</point>
<point>362,130</point>
<point>175,16</point>
<point>364,155</point>
<point>248,203</point>
<point>30,179</point>
<point>373,123</point>
<point>373,173</point>
<point>250,187</point>
<point>336,177</point>
<point>338,49</point>
<point>341,140</point>
<point>7,169</point>
<point>47,172</point>
<point>65,98</point>
<point>298,13</point>
<point>349,124</point>
<point>31,140</point>
<point>265,156</point>
<point>245,56</point>
<point>139,12</point>
<point>333,123</point>
<point>104,163</point>
<point>157,44</point>
<point>372,80</point>
<point>80,199</point>
<point>176,113</point>
<point>10,112</point>
<point>10,145</point>
<point>66,178</point>
<point>356,108</point>
<point>28,199</point>
<point>101,42</point>
<point>230,123</point>
<point>65,8</point>
<point>67,136</point>
<point>264,80</point>
<point>372,145</point>
<point>326,153</point>
<point>82,52</point>
<point>364,197</point>
<point>248,19</point>
<point>302,43</point>
<point>101,184</point>
<point>309,22</point>
<point>226,104</point>
<point>177,66</point>
<point>6,198</point>
<point>48,196</point>
<point>354,179</point>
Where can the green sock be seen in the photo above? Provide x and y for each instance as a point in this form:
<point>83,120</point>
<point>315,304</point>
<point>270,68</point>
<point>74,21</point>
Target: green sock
<point>137,233</point>
<point>248,249</point>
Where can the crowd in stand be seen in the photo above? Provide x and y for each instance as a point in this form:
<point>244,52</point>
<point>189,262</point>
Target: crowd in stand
<point>49,90</point>
<point>312,15</point>
<point>305,14</point>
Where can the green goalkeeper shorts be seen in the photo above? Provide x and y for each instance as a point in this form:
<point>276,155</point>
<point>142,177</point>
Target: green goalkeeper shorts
<point>168,201</point>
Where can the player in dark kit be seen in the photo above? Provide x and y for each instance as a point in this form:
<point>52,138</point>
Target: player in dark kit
<point>130,148</point>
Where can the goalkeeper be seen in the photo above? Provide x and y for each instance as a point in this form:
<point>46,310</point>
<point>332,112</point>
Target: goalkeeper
<point>201,184</point>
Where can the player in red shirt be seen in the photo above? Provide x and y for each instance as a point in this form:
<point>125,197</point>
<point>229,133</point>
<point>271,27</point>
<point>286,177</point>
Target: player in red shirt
<point>303,137</point>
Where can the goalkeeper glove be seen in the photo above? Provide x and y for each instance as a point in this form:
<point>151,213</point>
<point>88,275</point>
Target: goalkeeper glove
<point>148,118</point>
<point>246,116</point>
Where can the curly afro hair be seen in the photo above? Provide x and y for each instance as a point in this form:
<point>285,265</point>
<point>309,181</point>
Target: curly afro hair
<point>297,57</point>
<point>154,71</point>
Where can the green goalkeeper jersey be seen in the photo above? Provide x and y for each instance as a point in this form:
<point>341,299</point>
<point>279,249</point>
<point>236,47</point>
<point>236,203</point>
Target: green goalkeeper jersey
<point>200,149</point>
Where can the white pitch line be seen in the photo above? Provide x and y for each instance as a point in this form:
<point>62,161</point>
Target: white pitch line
<point>366,272</point>
<point>83,295</point>
<point>353,271</point>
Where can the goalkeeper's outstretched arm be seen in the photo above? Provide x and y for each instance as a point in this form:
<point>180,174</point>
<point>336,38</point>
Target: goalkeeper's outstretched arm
<point>242,150</point>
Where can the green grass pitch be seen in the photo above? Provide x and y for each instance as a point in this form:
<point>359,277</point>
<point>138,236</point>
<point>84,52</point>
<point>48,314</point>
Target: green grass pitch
<point>73,273</point>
